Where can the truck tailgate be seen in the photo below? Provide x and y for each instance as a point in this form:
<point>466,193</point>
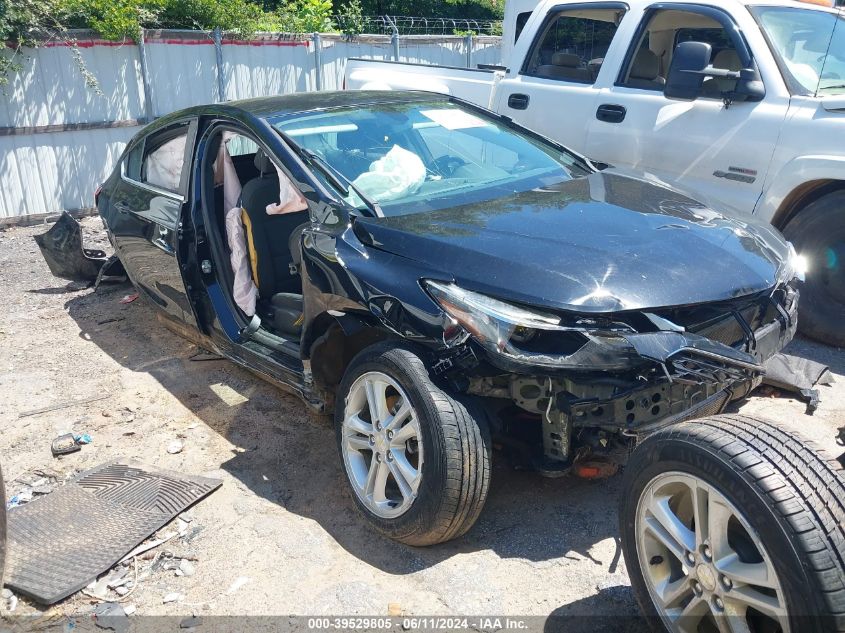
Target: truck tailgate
<point>472,84</point>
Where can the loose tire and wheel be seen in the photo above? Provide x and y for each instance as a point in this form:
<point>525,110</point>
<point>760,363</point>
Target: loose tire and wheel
<point>818,233</point>
<point>2,529</point>
<point>417,459</point>
<point>733,524</point>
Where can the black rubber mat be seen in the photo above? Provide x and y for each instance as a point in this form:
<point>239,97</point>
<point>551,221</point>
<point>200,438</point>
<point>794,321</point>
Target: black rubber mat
<point>59,543</point>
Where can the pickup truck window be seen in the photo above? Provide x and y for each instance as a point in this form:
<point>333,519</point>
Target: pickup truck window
<point>572,44</point>
<point>809,46</point>
<point>663,31</point>
<point>521,20</point>
<point>420,156</point>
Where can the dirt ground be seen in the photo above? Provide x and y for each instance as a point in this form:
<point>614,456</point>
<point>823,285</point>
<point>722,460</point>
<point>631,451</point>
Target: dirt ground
<point>281,536</point>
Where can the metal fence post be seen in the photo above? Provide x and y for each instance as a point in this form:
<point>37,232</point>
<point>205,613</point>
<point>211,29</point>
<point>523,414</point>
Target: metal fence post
<point>149,113</point>
<point>318,60</point>
<point>217,36</point>
<point>394,37</point>
<point>468,44</point>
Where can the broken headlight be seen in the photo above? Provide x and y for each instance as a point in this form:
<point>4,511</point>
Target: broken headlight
<point>516,333</point>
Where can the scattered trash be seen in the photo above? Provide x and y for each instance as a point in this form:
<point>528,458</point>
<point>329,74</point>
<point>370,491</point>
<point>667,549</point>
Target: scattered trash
<point>172,597</point>
<point>129,298</point>
<point>111,615</point>
<point>174,447</point>
<point>240,581</point>
<point>187,568</point>
<point>82,438</point>
<point>115,320</point>
<point>203,355</point>
<point>24,496</point>
<point>129,609</point>
<point>64,445</point>
<point>143,547</point>
<point>62,405</point>
<point>10,599</point>
<point>394,609</point>
<point>190,623</point>
<point>122,590</point>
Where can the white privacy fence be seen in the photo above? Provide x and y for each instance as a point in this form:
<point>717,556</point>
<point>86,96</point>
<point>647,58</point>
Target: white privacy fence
<point>59,138</point>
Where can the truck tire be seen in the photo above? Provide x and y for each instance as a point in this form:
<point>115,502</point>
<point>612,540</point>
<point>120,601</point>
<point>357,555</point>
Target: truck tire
<point>417,458</point>
<point>2,529</point>
<point>769,543</point>
<point>818,233</point>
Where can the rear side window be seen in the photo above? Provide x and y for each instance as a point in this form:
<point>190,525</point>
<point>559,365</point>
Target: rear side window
<point>164,158</point>
<point>573,43</point>
<point>521,20</point>
<point>647,68</point>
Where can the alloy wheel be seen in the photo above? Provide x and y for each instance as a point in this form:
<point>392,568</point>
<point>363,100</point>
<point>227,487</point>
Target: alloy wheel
<point>382,445</point>
<point>705,567</point>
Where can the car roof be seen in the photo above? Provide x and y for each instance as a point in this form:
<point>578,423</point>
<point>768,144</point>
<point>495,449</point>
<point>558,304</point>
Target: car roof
<point>282,105</point>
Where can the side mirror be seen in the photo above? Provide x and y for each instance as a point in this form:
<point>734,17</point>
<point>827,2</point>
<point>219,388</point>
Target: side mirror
<point>687,70</point>
<point>691,65</point>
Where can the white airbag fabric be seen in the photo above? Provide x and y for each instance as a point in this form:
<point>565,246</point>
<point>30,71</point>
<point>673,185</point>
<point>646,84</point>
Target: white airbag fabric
<point>396,174</point>
<point>290,199</point>
<point>164,164</point>
<point>244,291</point>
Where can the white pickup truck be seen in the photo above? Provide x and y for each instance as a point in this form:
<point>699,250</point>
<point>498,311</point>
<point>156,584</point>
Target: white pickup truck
<point>739,102</point>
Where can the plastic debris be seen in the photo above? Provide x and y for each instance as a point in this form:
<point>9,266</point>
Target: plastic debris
<point>129,609</point>
<point>129,298</point>
<point>82,438</point>
<point>64,444</point>
<point>174,447</point>
<point>172,597</point>
<point>111,615</point>
<point>239,582</point>
<point>187,568</point>
<point>10,599</point>
<point>24,496</point>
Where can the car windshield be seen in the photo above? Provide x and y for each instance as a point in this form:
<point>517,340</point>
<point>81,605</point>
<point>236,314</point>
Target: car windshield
<point>421,156</point>
<point>810,45</point>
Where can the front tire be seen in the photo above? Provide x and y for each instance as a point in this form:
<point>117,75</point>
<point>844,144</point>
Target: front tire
<point>818,233</point>
<point>417,458</point>
<point>731,523</point>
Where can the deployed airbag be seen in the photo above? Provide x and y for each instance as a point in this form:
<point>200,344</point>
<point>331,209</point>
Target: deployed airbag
<point>394,175</point>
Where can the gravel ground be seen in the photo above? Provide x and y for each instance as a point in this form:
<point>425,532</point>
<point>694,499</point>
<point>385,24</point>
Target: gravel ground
<point>282,536</point>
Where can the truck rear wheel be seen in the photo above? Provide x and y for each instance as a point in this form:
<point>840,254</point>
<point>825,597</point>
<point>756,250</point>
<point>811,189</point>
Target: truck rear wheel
<point>416,458</point>
<point>818,233</point>
<point>731,523</point>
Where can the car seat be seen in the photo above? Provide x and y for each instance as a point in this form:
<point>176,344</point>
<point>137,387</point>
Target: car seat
<point>268,236</point>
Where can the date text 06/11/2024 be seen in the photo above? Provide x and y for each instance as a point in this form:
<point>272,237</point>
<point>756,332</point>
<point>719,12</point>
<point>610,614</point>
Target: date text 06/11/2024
<point>417,623</point>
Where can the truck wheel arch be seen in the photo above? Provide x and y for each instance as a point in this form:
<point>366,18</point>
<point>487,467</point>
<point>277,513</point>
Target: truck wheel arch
<point>801,196</point>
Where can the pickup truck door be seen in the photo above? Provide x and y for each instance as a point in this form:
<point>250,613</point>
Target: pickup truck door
<point>716,151</point>
<point>553,91</point>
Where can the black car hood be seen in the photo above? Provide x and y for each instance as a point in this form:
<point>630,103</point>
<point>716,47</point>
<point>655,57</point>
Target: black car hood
<point>600,243</point>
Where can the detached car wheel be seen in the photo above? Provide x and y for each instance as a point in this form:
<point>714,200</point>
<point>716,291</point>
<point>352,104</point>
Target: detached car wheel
<point>818,234</point>
<point>2,529</point>
<point>417,459</point>
<point>732,524</point>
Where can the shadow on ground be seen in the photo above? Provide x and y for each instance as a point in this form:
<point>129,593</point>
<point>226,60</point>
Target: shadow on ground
<point>289,458</point>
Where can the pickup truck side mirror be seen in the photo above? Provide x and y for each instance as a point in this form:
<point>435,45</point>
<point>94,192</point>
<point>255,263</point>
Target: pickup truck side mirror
<point>691,64</point>
<point>687,70</point>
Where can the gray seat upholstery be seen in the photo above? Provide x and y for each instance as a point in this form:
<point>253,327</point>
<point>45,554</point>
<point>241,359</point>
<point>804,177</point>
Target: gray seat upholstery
<point>715,86</point>
<point>565,66</point>
<point>645,71</point>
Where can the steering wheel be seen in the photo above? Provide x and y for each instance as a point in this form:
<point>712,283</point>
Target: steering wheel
<point>447,165</point>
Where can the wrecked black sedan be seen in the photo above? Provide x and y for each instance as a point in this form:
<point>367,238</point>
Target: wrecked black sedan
<point>444,280</point>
